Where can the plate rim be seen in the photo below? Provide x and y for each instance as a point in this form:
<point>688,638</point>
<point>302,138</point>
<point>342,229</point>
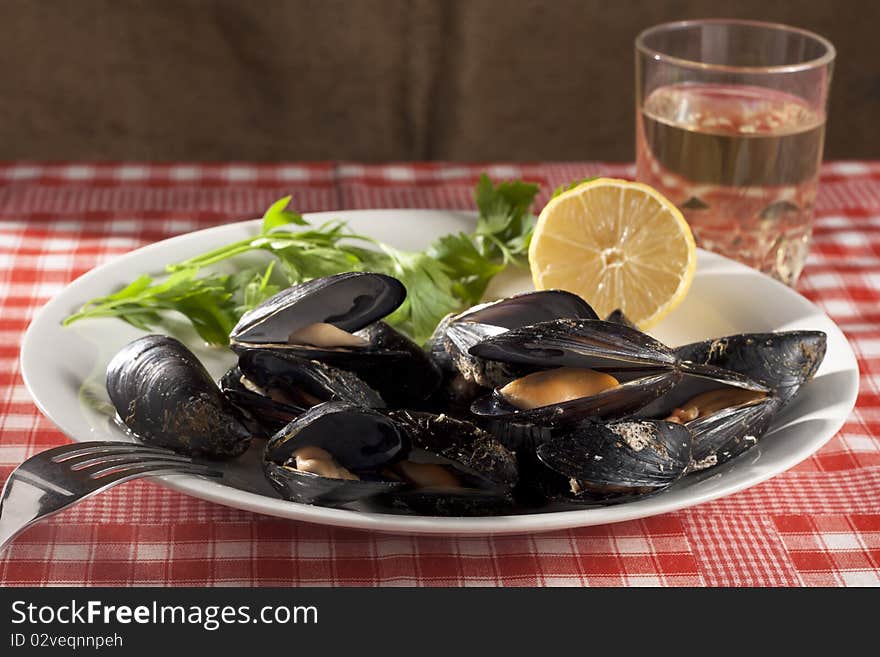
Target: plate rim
<point>531,523</point>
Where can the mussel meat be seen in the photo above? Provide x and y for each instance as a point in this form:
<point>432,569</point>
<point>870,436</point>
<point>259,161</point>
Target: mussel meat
<point>567,371</point>
<point>333,453</point>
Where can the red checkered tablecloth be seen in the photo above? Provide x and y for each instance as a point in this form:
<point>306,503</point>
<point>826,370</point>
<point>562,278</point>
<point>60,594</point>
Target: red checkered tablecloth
<point>818,524</point>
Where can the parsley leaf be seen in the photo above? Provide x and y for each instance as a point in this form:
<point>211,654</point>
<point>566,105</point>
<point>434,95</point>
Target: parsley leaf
<point>277,216</point>
<point>505,224</point>
<point>450,275</point>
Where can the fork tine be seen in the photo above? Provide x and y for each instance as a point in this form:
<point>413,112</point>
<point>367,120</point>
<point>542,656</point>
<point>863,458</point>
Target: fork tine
<point>110,476</point>
<point>73,451</point>
<point>103,472</point>
<point>19,508</point>
<point>88,461</point>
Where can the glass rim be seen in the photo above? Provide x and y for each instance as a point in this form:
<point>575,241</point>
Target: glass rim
<point>826,58</point>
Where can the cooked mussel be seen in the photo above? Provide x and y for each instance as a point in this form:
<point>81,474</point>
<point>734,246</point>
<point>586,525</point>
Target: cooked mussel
<point>725,415</point>
<point>454,468</point>
<point>332,454</point>
<point>335,320</point>
<point>466,378</point>
<point>317,319</point>
<point>781,361</point>
<point>164,395</point>
<point>413,460</point>
<point>571,370</point>
<point>726,432</point>
<point>455,335</point>
<point>567,371</point>
<point>273,387</point>
<point>262,415</point>
<point>596,462</point>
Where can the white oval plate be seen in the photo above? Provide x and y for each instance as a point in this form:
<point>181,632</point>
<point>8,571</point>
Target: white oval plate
<point>64,370</point>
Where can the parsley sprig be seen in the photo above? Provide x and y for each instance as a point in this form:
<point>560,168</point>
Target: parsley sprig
<point>450,275</point>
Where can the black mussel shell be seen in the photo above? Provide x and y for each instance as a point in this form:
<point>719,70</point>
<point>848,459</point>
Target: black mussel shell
<point>476,455</point>
<point>304,383</point>
<point>457,334</point>
<point>166,397</point>
<point>349,301</point>
<point>621,458</point>
<point>360,439</point>
<point>529,308</point>
<point>261,415</point>
<point>592,344</point>
<point>729,432</point>
<point>618,317</point>
<point>780,361</point>
<point>515,434</point>
<point>407,381</point>
<point>614,402</point>
<point>289,386</point>
<point>486,470</point>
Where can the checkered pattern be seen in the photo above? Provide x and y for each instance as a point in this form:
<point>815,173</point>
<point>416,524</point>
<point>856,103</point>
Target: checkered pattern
<point>818,524</point>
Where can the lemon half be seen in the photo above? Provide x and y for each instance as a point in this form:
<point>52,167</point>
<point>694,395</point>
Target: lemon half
<point>617,244</point>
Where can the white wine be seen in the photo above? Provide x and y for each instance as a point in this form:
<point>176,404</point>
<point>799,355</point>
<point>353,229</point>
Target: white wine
<point>742,163</point>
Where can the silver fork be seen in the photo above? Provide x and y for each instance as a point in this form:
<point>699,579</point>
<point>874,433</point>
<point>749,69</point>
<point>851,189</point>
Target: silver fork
<point>53,480</point>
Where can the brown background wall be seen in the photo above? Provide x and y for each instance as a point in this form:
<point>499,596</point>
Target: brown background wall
<point>369,79</point>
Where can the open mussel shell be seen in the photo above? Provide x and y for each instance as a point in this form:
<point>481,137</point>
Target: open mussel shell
<point>485,471</point>
<point>645,368</point>
<point>780,361</point>
<point>457,334</point>
<point>166,397</point>
<point>729,432</point>
<point>614,402</point>
<point>406,381</point>
<point>528,308</point>
<point>733,411</point>
<point>262,415</point>
<point>597,461</point>
<point>274,387</point>
<point>592,344</point>
<point>361,440</point>
<point>304,383</point>
<point>349,302</point>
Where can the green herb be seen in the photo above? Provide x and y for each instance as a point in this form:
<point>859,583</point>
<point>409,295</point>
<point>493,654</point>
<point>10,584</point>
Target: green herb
<point>449,276</point>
